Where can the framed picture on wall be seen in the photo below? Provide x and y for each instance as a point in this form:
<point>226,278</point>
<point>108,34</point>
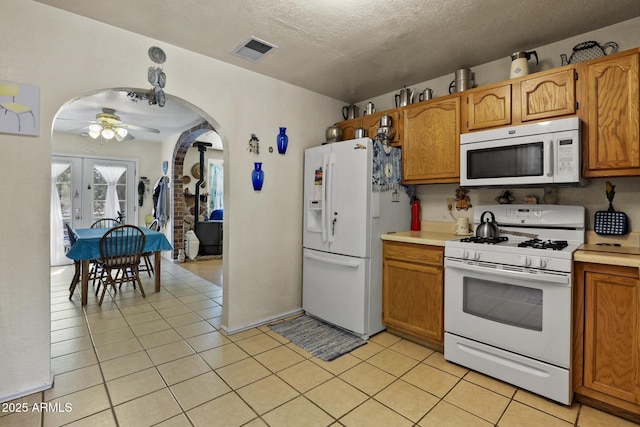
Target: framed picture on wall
<point>19,108</point>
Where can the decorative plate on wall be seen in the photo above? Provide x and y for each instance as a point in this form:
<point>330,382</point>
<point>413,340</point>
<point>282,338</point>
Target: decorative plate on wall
<point>186,179</point>
<point>195,170</point>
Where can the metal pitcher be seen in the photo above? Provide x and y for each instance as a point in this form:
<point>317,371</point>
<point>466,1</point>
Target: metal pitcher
<point>464,79</point>
<point>350,112</point>
<point>405,97</point>
<point>425,95</point>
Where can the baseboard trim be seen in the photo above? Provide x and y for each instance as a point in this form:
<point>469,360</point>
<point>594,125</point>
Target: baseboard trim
<point>225,329</point>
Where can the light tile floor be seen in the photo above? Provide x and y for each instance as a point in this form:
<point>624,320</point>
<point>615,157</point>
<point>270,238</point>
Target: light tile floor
<point>163,361</point>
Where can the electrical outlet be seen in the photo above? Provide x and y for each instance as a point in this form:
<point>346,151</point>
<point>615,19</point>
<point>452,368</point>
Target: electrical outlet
<point>450,204</point>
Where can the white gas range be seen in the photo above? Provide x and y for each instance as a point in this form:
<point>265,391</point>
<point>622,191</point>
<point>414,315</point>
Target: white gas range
<point>508,298</point>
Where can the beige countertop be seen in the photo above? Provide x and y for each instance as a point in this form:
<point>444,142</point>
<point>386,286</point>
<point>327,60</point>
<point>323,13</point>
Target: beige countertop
<point>431,234</point>
<point>586,253</point>
<point>626,255</point>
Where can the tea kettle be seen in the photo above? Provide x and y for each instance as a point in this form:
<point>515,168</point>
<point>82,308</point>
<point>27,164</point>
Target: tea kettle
<point>404,98</point>
<point>350,112</point>
<point>519,63</point>
<point>487,228</point>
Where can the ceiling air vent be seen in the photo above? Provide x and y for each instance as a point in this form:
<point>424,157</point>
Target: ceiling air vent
<point>253,49</point>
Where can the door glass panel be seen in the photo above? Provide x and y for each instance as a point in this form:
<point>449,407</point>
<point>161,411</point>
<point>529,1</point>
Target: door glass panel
<point>504,303</point>
<point>99,187</point>
<point>509,161</point>
<point>63,184</point>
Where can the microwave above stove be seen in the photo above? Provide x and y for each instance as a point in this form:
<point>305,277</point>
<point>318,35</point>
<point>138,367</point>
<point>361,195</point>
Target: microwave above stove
<point>544,153</point>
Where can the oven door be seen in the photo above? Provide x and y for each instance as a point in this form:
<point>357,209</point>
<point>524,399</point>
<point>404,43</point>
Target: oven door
<point>520,310</point>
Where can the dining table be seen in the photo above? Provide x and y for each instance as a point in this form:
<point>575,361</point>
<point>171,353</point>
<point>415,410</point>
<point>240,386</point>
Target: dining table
<point>87,248</point>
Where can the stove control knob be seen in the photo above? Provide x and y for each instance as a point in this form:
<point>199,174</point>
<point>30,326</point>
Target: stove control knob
<point>475,255</point>
<point>525,261</point>
<point>540,262</point>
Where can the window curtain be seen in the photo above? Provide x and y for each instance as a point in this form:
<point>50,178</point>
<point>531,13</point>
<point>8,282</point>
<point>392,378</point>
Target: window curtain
<point>111,174</point>
<point>56,240</point>
<point>216,178</point>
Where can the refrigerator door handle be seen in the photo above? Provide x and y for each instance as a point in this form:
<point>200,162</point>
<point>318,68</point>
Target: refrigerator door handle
<point>342,263</point>
<point>329,197</point>
<point>324,215</point>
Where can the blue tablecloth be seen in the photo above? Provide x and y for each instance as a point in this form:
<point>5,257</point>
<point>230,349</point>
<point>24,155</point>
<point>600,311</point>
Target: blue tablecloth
<point>87,245</point>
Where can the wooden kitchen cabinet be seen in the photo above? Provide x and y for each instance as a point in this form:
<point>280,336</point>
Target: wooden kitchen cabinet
<point>543,95</point>
<point>349,127</point>
<point>488,107</point>
<point>371,123</point>
<point>413,291</point>
<point>547,95</point>
<point>613,116</point>
<point>431,142</point>
<point>607,338</point>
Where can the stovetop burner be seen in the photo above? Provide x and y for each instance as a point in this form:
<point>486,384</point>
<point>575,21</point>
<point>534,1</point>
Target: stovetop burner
<point>484,240</point>
<point>556,245</point>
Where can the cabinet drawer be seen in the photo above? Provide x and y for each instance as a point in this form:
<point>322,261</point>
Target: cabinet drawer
<point>411,252</point>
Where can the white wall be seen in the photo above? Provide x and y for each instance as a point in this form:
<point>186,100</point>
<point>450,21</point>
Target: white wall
<point>63,56</point>
<point>434,197</point>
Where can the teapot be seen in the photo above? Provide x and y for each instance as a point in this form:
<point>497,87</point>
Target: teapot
<point>487,228</point>
<point>589,50</point>
<point>404,98</point>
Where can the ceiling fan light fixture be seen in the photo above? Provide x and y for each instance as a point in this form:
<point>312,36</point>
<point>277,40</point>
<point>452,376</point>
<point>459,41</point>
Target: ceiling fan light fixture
<point>108,133</point>
<point>121,132</point>
<point>94,130</point>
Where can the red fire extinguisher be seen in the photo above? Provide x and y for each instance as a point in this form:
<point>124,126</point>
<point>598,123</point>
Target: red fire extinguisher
<point>415,214</point>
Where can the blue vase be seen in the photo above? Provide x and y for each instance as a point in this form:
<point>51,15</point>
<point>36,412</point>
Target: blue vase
<point>283,141</point>
<point>257,176</point>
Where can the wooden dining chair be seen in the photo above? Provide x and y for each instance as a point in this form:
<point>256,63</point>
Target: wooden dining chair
<point>147,263</point>
<point>95,274</point>
<point>76,263</point>
<point>105,223</point>
<point>120,252</point>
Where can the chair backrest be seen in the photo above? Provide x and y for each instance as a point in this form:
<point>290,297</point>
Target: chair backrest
<point>155,225</point>
<point>72,236</point>
<point>122,246</point>
<point>105,223</point>
<point>9,89</point>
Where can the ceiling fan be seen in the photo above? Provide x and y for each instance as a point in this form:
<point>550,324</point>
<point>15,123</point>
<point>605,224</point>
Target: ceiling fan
<point>109,126</point>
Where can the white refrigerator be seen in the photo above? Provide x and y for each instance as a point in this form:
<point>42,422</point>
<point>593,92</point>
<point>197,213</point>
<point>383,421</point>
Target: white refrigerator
<point>343,221</point>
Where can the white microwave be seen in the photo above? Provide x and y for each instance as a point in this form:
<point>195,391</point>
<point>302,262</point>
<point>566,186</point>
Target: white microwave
<point>544,153</point>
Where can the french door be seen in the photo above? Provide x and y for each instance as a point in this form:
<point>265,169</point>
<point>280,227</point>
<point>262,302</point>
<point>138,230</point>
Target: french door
<point>89,189</point>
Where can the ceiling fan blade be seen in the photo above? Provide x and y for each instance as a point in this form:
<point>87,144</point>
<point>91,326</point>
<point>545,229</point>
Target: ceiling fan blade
<point>81,130</point>
<point>140,128</point>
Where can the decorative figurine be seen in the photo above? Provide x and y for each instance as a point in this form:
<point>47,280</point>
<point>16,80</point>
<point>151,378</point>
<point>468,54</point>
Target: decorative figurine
<point>505,198</point>
<point>462,200</point>
<point>531,200</point>
<point>550,195</point>
<point>254,144</point>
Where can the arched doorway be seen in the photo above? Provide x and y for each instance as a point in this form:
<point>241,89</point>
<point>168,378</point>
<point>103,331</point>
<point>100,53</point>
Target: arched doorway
<point>179,207</point>
<point>130,106</point>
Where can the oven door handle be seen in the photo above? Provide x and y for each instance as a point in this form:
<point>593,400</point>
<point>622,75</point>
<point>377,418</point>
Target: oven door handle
<point>559,279</point>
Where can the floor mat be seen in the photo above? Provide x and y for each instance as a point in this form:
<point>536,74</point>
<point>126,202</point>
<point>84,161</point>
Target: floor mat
<point>321,339</point>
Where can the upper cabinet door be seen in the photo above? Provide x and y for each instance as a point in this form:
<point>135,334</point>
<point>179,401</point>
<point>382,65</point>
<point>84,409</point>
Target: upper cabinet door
<point>551,95</point>
<point>349,128</point>
<point>431,142</point>
<point>613,97</point>
<point>489,108</point>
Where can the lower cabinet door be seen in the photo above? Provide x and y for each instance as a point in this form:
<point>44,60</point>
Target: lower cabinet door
<point>413,299</point>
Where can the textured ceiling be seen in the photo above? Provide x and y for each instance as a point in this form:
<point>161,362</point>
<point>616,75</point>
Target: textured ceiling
<point>357,49</point>
<point>353,50</point>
